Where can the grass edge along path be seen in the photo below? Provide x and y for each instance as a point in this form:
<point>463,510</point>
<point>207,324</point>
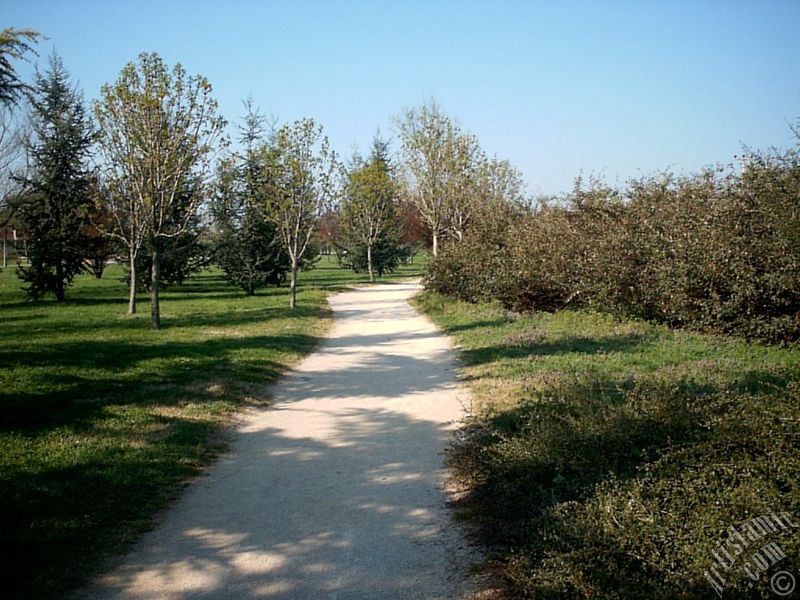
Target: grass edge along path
<point>103,421</point>
<point>608,458</point>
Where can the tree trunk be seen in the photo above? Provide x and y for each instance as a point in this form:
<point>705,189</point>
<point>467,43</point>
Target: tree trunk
<point>369,263</point>
<point>132,292</point>
<point>435,243</point>
<point>5,253</point>
<point>293,285</point>
<point>155,279</point>
<point>59,291</point>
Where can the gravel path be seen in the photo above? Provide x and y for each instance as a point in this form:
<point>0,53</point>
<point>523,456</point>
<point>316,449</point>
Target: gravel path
<point>336,490</point>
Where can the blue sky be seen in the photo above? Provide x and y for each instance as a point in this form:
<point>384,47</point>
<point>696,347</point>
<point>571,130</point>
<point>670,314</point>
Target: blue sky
<point>613,88</point>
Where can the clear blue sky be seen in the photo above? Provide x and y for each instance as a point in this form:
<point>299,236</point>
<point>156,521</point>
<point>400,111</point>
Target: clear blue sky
<point>612,88</point>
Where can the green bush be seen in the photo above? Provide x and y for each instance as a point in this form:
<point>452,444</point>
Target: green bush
<point>717,251</point>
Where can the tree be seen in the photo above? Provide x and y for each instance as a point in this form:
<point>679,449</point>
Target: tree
<point>248,248</point>
<point>14,45</point>
<point>367,213</point>
<point>300,184</point>
<point>55,216</point>
<point>159,128</point>
<point>180,255</point>
<point>440,164</point>
<point>14,135</point>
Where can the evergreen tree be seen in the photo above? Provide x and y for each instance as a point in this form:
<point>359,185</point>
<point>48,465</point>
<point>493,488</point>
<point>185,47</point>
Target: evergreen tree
<point>14,45</point>
<point>56,216</point>
<point>248,249</point>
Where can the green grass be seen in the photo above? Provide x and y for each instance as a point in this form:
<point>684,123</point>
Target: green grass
<point>102,420</point>
<point>606,458</point>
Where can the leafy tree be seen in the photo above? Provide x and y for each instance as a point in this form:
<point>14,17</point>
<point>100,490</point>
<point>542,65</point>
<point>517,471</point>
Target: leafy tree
<point>368,229</point>
<point>159,128</point>
<point>55,215</point>
<point>440,164</point>
<point>300,183</point>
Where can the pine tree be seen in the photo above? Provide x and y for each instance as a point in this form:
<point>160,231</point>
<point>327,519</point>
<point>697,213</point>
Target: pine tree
<point>56,215</point>
<point>249,249</point>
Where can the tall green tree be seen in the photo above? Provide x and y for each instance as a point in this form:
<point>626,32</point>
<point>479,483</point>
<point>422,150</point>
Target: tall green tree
<point>58,188</point>
<point>301,184</point>
<point>159,129</point>
<point>248,247</point>
<point>367,220</point>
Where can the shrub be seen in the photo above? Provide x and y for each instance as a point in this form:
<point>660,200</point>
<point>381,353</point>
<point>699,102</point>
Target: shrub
<point>718,251</point>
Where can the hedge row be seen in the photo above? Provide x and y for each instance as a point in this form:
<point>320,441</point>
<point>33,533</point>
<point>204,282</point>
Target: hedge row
<point>716,251</point>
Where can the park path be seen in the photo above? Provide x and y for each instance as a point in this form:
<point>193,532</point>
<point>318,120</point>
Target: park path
<point>337,489</point>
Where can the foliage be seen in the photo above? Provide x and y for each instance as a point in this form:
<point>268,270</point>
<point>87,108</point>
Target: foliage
<point>368,234</point>
<point>248,248</point>
<point>719,250</point>
<point>14,45</point>
<point>299,187</point>
<point>387,254</point>
<point>56,212</point>
<point>607,458</point>
<point>440,163</point>
<point>159,128</point>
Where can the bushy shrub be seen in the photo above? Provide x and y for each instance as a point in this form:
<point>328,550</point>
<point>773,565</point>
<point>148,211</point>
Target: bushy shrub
<point>718,251</point>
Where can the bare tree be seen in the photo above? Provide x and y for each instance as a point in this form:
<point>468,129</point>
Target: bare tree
<point>464,162</point>
<point>440,164</point>
<point>13,164</point>
<point>159,128</point>
<point>301,183</point>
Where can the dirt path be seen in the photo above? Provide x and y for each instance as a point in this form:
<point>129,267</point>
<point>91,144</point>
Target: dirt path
<point>333,492</point>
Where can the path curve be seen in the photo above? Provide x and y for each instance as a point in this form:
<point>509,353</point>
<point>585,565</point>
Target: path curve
<point>337,489</point>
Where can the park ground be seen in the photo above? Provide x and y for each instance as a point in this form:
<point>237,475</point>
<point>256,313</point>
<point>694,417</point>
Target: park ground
<point>102,420</point>
<point>607,457</point>
<point>603,458</point>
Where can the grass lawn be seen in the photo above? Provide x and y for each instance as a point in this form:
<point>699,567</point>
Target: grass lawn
<point>607,458</point>
<point>102,420</point>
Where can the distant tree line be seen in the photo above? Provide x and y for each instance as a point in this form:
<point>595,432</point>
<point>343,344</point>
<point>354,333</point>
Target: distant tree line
<point>148,177</point>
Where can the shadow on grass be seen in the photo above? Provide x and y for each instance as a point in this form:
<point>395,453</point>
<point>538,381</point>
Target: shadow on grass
<point>569,345</point>
<point>174,367</point>
<point>107,498</point>
<point>586,434</point>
